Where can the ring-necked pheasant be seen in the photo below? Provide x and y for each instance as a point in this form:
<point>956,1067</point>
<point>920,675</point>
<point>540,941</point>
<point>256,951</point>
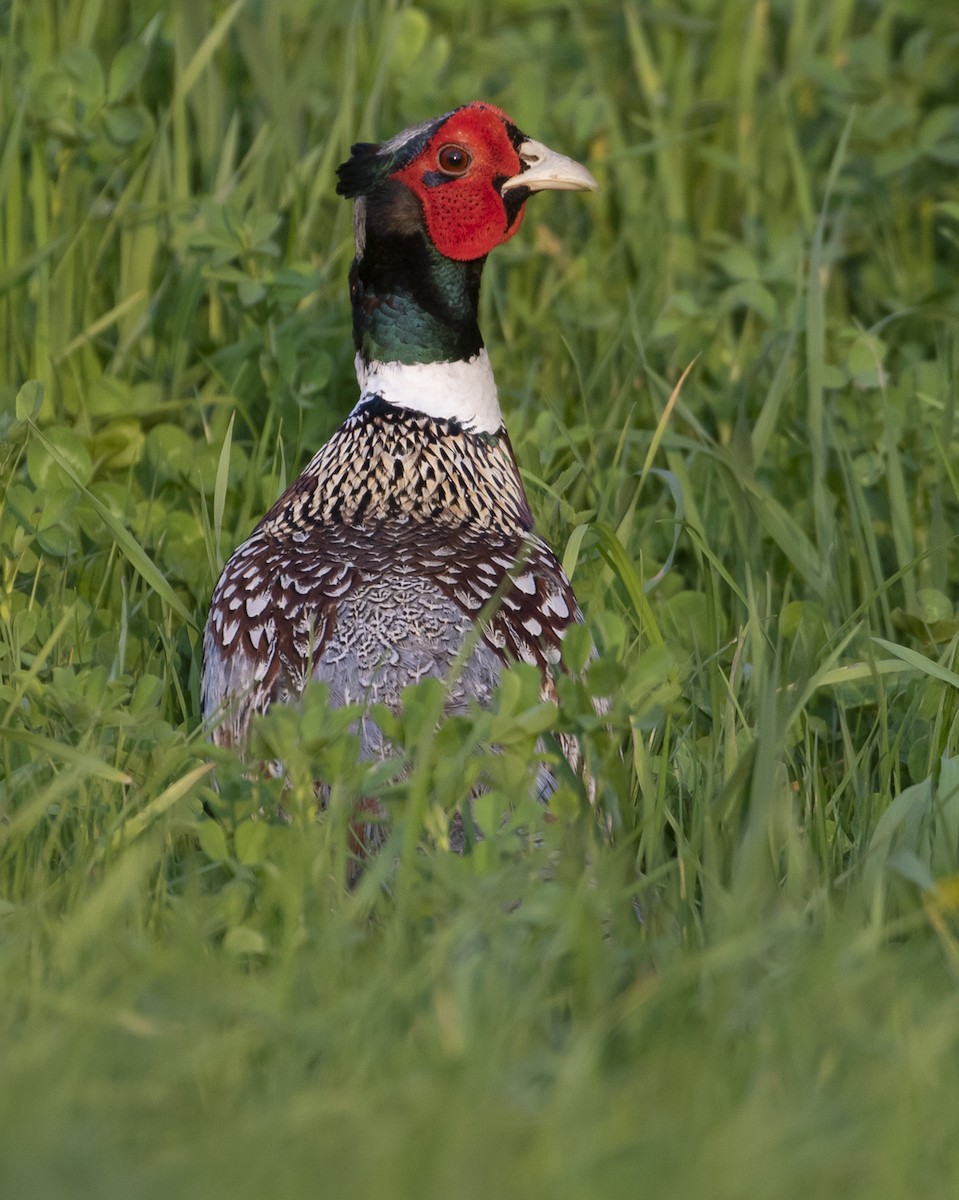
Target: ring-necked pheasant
<point>411,523</point>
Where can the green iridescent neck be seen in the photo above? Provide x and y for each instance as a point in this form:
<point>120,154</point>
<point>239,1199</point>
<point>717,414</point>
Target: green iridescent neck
<point>410,303</point>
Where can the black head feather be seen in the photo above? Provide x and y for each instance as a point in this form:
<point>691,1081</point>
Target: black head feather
<point>371,163</point>
<point>362,171</point>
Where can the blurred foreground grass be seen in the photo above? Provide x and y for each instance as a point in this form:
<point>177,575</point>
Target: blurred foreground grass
<point>196,1006</point>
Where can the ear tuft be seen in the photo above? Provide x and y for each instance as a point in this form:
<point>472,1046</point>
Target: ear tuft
<point>362,171</point>
<point>370,163</point>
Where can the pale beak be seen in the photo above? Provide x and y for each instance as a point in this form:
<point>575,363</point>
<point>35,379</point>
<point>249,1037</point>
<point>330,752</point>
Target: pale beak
<point>544,168</point>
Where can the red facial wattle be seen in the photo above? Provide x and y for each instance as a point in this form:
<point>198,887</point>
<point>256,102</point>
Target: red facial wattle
<point>465,215</point>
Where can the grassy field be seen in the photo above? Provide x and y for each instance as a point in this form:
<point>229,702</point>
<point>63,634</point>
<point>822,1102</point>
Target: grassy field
<point>767,559</point>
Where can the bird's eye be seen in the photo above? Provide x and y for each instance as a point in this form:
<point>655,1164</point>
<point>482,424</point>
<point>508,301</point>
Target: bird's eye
<point>453,160</point>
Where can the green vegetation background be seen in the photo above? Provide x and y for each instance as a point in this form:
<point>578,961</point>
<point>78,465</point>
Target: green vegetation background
<point>197,1006</point>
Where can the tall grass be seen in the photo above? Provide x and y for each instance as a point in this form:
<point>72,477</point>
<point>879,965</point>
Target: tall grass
<point>193,1002</point>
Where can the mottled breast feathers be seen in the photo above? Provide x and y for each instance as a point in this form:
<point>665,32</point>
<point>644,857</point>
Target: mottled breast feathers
<point>399,512</point>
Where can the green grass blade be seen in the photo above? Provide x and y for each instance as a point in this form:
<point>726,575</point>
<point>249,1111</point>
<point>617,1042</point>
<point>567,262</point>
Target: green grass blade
<point>919,662</point>
<point>132,550</point>
<point>57,751</point>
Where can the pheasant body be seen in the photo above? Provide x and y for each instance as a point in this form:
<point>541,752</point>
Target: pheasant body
<point>407,543</point>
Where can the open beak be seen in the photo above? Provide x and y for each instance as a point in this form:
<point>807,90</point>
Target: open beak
<point>544,168</point>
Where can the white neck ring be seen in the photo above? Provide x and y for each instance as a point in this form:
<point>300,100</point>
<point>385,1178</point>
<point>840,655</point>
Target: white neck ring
<point>453,391</point>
